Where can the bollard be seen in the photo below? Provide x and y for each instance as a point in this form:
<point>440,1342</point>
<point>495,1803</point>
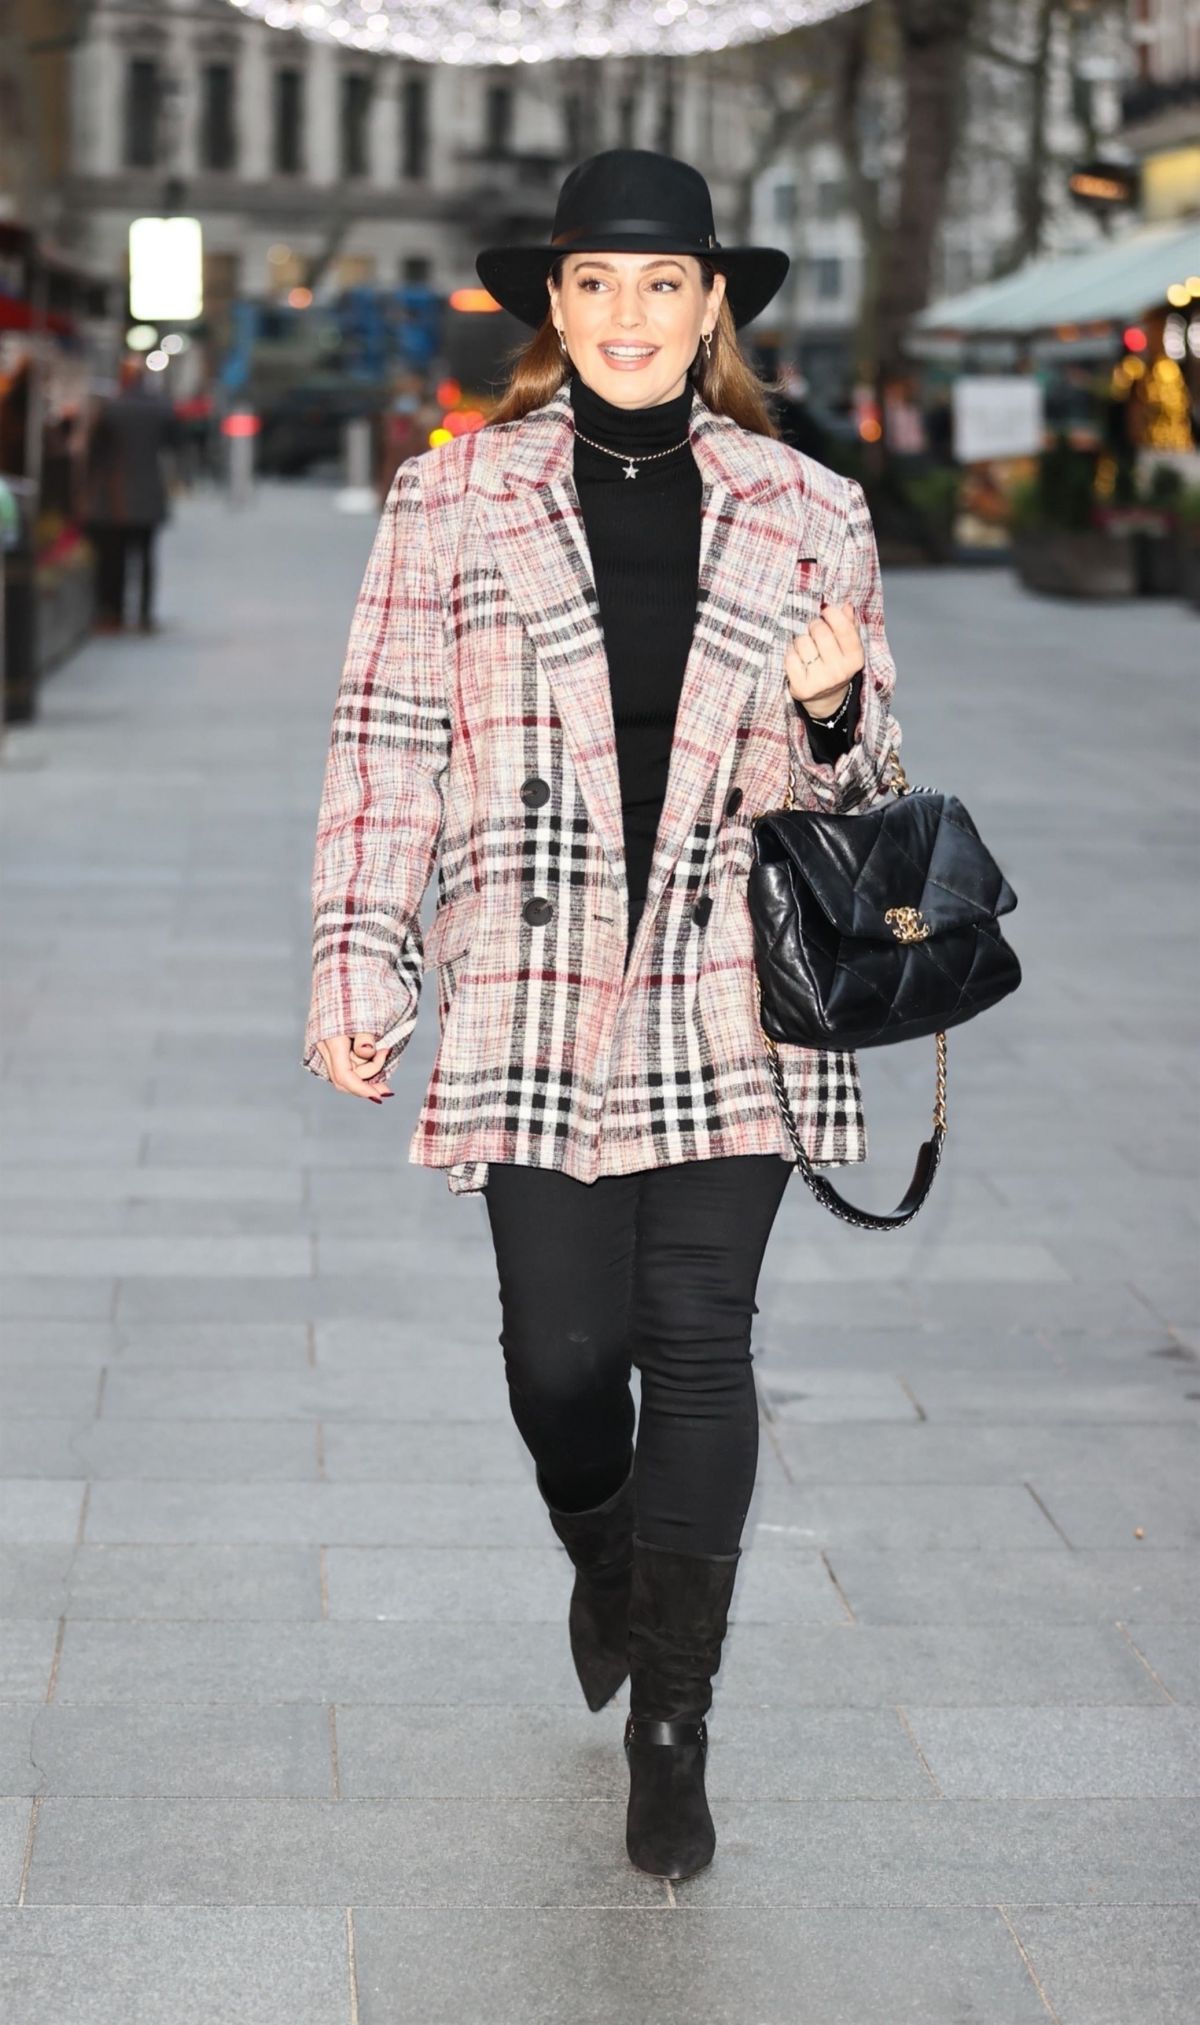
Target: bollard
<point>357,495</point>
<point>239,431</point>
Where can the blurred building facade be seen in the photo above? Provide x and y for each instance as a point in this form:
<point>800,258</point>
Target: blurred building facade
<point>313,165</point>
<point>304,161</point>
<point>1161,106</point>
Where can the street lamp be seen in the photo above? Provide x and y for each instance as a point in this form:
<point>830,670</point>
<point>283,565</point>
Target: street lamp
<point>540,31</point>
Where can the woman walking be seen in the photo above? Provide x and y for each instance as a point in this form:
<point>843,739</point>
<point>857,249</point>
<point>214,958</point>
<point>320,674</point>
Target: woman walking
<point>593,641</point>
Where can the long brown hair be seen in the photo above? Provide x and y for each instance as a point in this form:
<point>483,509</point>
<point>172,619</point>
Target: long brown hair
<point>726,382</point>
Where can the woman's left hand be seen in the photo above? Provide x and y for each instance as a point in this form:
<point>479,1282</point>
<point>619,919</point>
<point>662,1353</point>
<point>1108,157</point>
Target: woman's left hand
<point>823,660</point>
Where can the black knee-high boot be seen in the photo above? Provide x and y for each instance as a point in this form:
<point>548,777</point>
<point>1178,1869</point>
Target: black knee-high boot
<point>678,1612</point>
<point>600,1544</point>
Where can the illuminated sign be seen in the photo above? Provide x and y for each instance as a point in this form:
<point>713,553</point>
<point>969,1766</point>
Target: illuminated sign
<point>166,270</point>
<point>1099,184</point>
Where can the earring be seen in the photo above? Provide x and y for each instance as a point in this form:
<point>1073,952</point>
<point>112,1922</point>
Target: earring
<point>706,341</point>
<point>562,343</point>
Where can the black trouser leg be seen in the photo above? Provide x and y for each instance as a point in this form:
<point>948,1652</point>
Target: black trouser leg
<point>110,573</point>
<point>702,1233</point>
<point>141,542</point>
<point>564,1253</point>
<point>659,1268</point>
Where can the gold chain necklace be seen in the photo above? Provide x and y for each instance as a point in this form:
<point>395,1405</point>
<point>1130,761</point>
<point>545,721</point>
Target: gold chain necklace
<point>627,458</point>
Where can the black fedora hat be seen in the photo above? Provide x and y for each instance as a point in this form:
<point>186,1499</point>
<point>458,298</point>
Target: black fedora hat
<point>630,200</point>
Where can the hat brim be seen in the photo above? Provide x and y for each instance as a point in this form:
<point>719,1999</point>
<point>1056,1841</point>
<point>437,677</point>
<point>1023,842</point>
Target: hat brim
<point>516,275</point>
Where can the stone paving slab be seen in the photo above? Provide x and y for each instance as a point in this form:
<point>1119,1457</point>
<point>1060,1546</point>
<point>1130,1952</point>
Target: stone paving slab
<point>311,1853</point>
<point>22,1298</point>
<point>998,1587</point>
<point>952,1852</point>
<point>218,1660</point>
<point>143,1393</point>
<point>1108,1965</point>
<point>804,1966</point>
<point>999,1451</point>
<point>323,1514</point>
<point>250,1300</point>
<point>82,1188</point>
<point>1172,1653</point>
<point>281,1852</point>
<point>248,1451</point>
<point>1054,1753</point>
<point>969,1666</point>
<point>1164,1511</point>
<point>34,1510</point>
<point>37,1391</point>
<point>169,1582</point>
<point>911,1516</point>
<point>146,1749</point>
<point>14,1825</point>
<point>541,1753</point>
<point>194,1965</point>
<point>213,1345</point>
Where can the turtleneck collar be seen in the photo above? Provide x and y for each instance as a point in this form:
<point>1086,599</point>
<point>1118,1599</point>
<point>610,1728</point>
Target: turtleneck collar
<point>658,427</point>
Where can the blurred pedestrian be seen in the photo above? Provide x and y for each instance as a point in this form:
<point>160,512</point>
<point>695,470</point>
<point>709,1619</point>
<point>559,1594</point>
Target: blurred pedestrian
<point>405,424</point>
<point>594,638</point>
<point>797,423</point>
<point>127,493</point>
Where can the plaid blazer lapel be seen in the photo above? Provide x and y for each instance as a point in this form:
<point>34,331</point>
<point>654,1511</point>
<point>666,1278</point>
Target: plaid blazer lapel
<point>540,546</point>
<point>749,546</point>
<point>748,550</point>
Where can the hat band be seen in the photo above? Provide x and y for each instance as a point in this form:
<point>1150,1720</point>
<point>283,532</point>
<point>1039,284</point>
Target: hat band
<point>604,228</point>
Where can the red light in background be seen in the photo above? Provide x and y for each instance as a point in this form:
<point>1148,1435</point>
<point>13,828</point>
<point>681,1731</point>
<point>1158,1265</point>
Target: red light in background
<point>241,425</point>
<point>1135,339</point>
<point>448,393</point>
<point>475,301</point>
<point>463,421</point>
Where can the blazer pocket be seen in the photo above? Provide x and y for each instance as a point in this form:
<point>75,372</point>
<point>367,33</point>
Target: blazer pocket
<point>449,933</point>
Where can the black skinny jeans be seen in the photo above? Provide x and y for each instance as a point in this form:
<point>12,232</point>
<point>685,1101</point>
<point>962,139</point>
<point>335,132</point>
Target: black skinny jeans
<point>656,1270</point>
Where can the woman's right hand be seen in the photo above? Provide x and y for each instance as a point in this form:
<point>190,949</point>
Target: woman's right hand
<point>350,1060</point>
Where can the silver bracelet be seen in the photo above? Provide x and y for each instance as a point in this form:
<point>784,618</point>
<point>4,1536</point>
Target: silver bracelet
<point>828,723</point>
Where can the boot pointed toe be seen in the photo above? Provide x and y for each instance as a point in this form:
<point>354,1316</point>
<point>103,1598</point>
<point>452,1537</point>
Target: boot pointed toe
<point>599,1542</point>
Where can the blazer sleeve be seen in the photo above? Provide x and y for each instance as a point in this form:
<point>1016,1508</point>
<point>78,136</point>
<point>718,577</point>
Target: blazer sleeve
<point>382,801</point>
<point>855,776</point>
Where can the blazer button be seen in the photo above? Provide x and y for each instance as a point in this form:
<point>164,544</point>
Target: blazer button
<point>537,911</point>
<point>702,909</point>
<point>535,791</point>
<point>733,801</point>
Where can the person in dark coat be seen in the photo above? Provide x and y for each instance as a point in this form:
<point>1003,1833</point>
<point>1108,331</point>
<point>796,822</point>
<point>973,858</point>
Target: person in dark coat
<point>127,493</point>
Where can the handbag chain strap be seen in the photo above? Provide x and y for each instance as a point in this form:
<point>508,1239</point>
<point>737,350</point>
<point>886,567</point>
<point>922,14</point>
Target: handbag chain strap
<point>931,1152</point>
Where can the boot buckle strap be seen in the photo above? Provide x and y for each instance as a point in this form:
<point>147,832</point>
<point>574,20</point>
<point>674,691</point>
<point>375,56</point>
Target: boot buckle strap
<point>649,1730</point>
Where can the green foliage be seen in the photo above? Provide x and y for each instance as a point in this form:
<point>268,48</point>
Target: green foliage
<point>1164,487</point>
<point>1187,505</point>
<point>935,494</point>
<point>1061,495</point>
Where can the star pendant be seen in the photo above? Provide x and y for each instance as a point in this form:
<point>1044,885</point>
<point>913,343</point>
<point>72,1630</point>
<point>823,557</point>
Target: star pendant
<point>630,470</point>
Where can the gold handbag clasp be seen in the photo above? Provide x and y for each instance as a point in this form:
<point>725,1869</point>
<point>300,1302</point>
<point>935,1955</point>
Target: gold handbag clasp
<point>908,924</point>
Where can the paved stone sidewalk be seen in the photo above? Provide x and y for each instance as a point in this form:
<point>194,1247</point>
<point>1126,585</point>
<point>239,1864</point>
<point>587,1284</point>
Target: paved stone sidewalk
<point>289,1726</point>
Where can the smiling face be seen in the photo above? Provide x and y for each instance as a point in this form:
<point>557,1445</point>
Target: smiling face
<point>633,321</point>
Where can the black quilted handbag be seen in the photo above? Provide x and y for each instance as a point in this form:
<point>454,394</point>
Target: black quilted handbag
<point>870,928</point>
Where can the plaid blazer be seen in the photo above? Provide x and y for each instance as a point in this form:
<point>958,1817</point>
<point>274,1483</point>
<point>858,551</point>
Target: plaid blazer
<point>473,730</point>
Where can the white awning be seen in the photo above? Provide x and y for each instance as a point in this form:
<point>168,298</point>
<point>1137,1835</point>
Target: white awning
<point>1117,281</point>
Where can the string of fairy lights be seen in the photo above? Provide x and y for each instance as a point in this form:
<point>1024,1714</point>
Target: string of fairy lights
<point>541,31</point>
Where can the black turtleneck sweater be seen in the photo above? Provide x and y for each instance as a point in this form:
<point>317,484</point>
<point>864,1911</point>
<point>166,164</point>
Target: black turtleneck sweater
<point>643,536</point>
